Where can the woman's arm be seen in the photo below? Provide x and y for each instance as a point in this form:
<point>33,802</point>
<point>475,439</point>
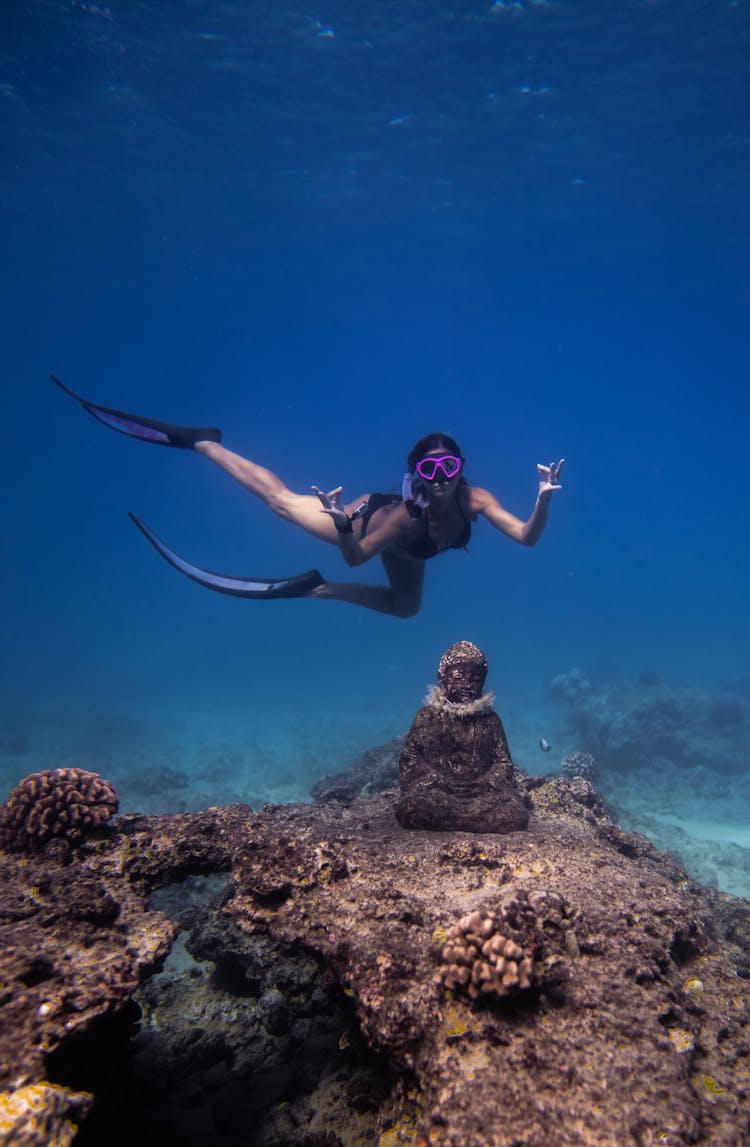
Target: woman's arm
<point>355,551</point>
<point>529,532</point>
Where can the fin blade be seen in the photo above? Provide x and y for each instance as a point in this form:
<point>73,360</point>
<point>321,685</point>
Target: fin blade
<point>253,588</point>
<point>137,426</point>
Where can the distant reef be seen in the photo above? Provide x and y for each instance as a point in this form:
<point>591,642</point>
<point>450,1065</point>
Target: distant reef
<point>645,725</point>
<point>354,983</point>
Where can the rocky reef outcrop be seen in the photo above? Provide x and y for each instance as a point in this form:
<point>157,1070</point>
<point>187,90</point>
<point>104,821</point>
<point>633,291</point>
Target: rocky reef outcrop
<point>334,957</point>
<point>374,771</point>
<point>645,723</point>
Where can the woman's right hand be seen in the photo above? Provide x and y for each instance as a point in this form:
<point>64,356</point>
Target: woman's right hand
<point>333,505</point>
<point>549,479</point>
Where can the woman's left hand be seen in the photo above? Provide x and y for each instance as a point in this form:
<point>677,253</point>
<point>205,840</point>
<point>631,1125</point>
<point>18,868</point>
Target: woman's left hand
<point>549,479</point>
<point>333,505</point>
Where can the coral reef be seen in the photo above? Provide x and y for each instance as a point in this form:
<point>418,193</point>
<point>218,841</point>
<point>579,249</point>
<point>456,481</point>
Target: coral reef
<point>580,765</point>
<point>364,897</point>
<point>243,1049</point>
<point>41,1115</point>
<point>64,803</point>
<point>630,724</point>
<point>631,1025</point>
<point>673,760</point>
<point>374,771</point>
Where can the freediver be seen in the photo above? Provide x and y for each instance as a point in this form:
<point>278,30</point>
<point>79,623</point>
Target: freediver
<point>434,513</point>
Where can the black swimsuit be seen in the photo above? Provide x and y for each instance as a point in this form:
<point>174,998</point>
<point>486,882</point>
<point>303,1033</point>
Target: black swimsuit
<point>422,548</point>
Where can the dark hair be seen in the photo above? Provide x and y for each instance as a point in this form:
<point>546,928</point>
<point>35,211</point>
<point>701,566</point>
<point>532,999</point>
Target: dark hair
<point>430,442</point>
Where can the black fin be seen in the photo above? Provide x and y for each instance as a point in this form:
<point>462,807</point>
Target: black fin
<point>297,586</point>
<point>147,429</point>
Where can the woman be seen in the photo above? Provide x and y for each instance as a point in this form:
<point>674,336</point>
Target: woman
<point>434,513</point>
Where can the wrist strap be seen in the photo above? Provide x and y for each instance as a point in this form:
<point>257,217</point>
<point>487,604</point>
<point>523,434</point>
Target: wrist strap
<point>347,528</point>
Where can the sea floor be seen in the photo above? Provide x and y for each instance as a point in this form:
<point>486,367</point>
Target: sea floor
<point>171,760</point>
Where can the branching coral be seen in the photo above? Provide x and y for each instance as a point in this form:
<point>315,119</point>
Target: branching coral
<point>580,765</point>
<point>65,803</point>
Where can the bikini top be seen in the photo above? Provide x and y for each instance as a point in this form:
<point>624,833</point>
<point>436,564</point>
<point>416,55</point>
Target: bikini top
<point>422,548</point>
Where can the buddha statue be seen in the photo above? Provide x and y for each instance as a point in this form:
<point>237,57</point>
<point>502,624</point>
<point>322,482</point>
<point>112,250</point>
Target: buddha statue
<point>456,769</point>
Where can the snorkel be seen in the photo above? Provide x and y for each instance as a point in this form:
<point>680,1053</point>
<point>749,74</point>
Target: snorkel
<point>413,492</point>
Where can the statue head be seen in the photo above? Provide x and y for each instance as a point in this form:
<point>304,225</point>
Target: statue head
<point>462,672</point>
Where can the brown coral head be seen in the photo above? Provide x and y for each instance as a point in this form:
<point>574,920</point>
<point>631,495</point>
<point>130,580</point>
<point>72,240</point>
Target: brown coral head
<point>67,803</point>
<point>483,958</point>
<point>522,943</point>
<point>462,671</point>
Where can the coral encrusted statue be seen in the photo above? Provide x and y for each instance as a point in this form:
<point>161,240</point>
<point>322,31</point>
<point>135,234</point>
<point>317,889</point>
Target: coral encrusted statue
<point>456,770</point>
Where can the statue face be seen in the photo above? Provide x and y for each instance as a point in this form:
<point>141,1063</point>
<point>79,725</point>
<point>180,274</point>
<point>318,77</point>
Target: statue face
<point>463,682</point>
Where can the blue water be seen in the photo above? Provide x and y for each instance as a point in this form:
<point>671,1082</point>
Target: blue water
<point>329,231</point>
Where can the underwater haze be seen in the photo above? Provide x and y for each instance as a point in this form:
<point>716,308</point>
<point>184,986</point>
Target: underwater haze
<point>330,230</point>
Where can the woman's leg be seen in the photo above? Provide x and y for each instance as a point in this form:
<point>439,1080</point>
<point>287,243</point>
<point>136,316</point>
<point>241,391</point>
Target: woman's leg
<point>302,509</point>
<point>402,596</point>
